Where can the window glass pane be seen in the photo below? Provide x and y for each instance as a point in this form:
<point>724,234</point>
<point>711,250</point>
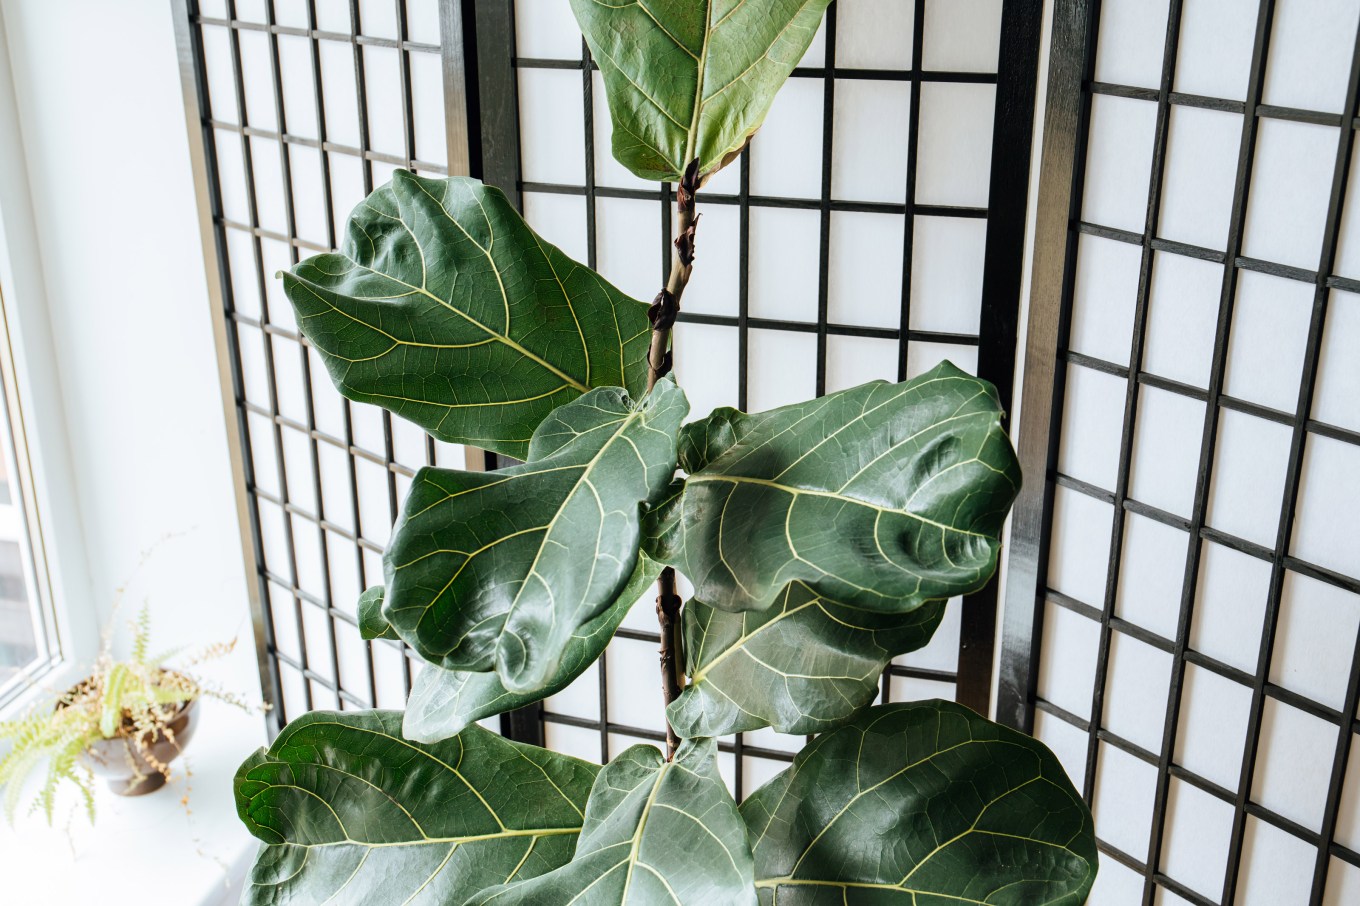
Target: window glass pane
<point>23,642</point>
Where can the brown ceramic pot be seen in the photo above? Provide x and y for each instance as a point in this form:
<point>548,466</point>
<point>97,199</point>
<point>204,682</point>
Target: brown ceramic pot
<point>120,761</point>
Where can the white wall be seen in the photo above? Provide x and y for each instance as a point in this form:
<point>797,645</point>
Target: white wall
<point>102,124</point>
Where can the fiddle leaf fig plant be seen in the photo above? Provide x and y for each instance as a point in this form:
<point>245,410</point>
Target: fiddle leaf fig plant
<point>820,540</point>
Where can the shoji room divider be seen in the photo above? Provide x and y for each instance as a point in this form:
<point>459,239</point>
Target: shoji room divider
<point>1183,596</point>
<point>874,227</point>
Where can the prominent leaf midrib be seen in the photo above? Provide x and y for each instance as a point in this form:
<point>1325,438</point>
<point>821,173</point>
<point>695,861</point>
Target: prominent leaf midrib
<point>418,750</point>
<point>619,427</point>
<point>864,792</point>
<point>815,492</point>
<point>775,883</point>
<point>898,773</point>
<point>426,840</point>
<point>756,62</point>
<point>583,478</point>
<point>664,30</point>
<point>692,139</point>
<point>745,637</point>
<point>636,846</point>
<point>495,269</point>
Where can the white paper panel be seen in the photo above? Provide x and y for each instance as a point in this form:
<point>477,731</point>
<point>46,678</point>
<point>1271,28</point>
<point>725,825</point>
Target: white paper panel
<point>299,96</point>
<point>786,155</point>
<point>379,18</point>
<point>427,107</point>
<point>1338,386</point>
<point>1106,289</point>
<point>1315,640</point>
<point>777,374</point>
<point>1079,545</point>
<point>1201,166</point>
<point>865,269</point>
<point>953,165</point>
<point>1311,44</point>
<point>1067,681</point>
<point>552,126</point>
<point>628,234</point>
<point>870,141</point>
<point>1290,187</point>
<point>946,273</point>
<point>560,219</point>
<point>632,702</point>
<point>1119,162</point>
<point>1125,787</point>
<point>1293,763</point>
<point>546,29</point>
<point>422,21</point>
<point>874,34</point>
<point>1329,499</point>
<point>962,35</point>
<point>785,255</point>
<point>1092,421</point>
<point>851,361</point>
<point>1135,695</point>
<point>1249,471</point>
<point>714,284</point>
<point>1116,884</point>
<point>1198,835</point>
<point>1152,575</point>
<point>1215,48</point>
<point>1212,732</point>
<point>1182,316</point>
<point>1132,37</point>
<point>1231,606</point>
<point>1166,450</point>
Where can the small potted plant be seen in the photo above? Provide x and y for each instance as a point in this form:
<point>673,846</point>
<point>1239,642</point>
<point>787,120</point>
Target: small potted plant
<point>125,722</point>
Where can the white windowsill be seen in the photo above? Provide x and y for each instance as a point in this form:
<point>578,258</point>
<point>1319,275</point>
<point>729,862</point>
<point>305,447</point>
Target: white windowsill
<point>150,843</point>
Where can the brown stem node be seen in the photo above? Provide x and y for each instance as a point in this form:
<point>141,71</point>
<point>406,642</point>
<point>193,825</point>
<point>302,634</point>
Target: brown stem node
<point>668,604</point>
<point>689,187</point>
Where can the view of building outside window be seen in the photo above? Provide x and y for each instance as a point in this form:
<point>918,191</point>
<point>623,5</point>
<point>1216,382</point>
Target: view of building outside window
<point>22,636</point>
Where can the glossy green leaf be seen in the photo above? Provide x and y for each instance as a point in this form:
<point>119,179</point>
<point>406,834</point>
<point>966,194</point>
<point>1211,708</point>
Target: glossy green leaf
<point>354,813</point>
<point>692,79</point>
<point>446,308</point>
<point>497,570</point>
<point>922,804</point>
<point>879,497</point>
<point>655,833</point>
<point>372,624</point>
<point>802,666</point>
<point>443,702</point>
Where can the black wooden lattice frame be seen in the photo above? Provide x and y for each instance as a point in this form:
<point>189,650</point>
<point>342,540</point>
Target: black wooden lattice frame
<point>1071,88</point>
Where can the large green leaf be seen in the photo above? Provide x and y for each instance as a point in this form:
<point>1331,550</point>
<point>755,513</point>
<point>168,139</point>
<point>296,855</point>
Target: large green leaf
<point>922,804</point>
<point>446,308</point>
<point>801,666</point>
<point>880,497</point>
<point>655,833</point>
<point>497,570</point>
<point>443,702</point>
<point>691,79</point>
<point>354,813</point>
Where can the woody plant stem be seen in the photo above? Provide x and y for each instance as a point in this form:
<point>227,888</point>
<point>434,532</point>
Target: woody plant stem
<point>662,315</point>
